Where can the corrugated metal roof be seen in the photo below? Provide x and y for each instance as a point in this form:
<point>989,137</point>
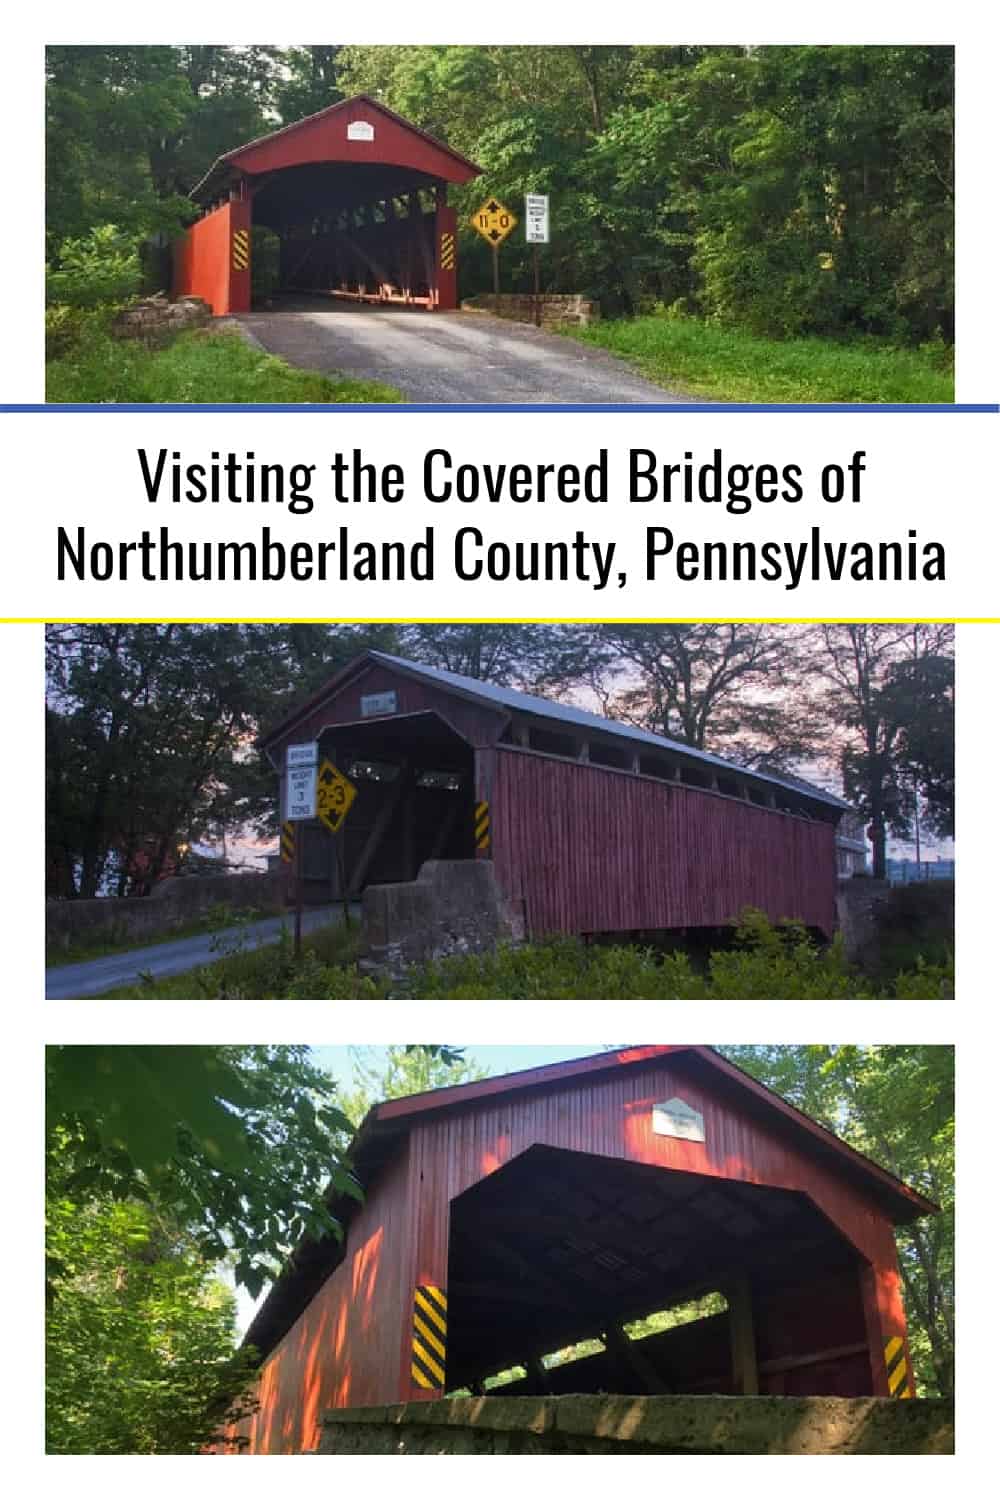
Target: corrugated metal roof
<point>579,718</point>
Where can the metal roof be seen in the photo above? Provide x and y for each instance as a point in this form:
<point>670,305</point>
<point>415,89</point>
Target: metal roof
<point>579,718</point>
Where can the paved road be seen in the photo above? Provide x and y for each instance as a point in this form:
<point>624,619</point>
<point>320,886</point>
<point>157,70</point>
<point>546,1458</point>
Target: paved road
<point>447,357</point>
<point>115,970</point>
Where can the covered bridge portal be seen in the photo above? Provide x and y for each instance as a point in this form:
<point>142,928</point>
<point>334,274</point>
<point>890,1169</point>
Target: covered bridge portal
<point>593,826</point>
<point>512,1219</point>
<point>358,198</point>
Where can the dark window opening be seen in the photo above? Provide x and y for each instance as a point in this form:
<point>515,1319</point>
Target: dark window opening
<point>651,765</point>
<point>692,777</point>
<point>549,742</point>
<point>609,755</point>
<point>372,770</point>
<point>440,781</point>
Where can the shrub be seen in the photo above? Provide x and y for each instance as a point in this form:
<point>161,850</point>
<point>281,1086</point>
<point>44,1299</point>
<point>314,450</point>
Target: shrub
<point>100,269</point>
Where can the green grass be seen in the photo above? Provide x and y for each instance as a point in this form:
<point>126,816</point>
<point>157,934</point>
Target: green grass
<point>764,962</point>
<point>704,359</point>
<point>197,367</point>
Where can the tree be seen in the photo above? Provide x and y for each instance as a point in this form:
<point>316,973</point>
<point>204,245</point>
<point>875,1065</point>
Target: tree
<point>239,1146</point>
<point>513,655</point>
<point>890,687</point>
<point>150,738</point>
<point>396,1072</point>
<point>722,688</point>
<point>141,1352</point>
<point>896,1104</point>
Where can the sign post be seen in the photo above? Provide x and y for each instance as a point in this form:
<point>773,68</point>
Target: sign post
<point>300,805</point>
<point>536,232</point>
<point>494,221</point>
<point>335,794</point>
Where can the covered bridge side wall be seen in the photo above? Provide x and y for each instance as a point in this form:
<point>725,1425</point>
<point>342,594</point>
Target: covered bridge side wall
<point>343,1350</point>
<point>593,850</point>
<point>208,261</point>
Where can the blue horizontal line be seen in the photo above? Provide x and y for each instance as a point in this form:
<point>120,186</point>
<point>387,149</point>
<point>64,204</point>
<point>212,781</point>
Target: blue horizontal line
<point>634,409</point>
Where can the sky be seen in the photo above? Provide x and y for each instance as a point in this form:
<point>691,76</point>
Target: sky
<point>337,1061</point>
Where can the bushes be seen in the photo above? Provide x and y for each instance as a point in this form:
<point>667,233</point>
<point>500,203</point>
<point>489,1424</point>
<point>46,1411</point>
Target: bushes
<point>101,269</point>
<point>765,961</point>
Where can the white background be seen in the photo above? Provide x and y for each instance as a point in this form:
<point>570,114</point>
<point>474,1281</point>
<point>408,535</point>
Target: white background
<point>937,473</point>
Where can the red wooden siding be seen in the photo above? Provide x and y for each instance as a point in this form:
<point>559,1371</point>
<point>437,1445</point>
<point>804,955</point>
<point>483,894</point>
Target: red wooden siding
<point>592,850</point>
<point>203,260</point>
<point>351,1345</point>
<point>323,138</point>
<point>344,1349</point>
<point>476,724</point>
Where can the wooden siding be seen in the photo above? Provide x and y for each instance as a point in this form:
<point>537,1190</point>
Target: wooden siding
<point>591,850</point>
<point>351,1345</point>
<point>475,723</point>
<point>344,1349</point>
<point>323,138</point>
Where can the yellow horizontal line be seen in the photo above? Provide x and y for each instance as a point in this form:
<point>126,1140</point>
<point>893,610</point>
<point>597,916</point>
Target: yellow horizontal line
<point>497,620</point>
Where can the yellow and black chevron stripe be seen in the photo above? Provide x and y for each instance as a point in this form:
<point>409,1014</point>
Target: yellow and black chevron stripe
<point>430,1337</point>
<point>447,252</point>
<point>287,843</point>
<point>482,826</point>
<point>241,249</point>
<point>895,1369</point>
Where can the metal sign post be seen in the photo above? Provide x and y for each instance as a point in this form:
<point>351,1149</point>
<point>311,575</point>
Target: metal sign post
<point>536,232</point>
<point>494,221</point>
<point>300,805</point>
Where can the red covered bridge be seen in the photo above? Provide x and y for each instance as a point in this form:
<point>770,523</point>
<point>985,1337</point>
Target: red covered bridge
<point>509,1219</point>
<point>593,826</point>
<point>358,198</point>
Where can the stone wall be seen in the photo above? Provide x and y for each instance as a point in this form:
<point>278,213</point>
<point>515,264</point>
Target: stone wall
<point>643,1424</point>
<point>173,904</point>
<point>520,307</point>
<point>860,904</point>
<point>155,320</point>
<point>453,906</point>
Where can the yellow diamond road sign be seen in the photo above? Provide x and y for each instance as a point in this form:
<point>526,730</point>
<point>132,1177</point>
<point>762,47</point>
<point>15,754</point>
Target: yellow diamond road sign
<point>334,795</point>
<point>493,221</point>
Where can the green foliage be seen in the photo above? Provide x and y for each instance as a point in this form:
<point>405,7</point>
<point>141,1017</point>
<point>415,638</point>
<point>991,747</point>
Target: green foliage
<point>141,1350</point>
<point>396,1072</point>
<point>896,1104</point>
<point>233,1143</point>
<point>765,962</point>
<point>265,264</point>
<point>196,367</point>
<point>97,270</point>
<point>782,190</point>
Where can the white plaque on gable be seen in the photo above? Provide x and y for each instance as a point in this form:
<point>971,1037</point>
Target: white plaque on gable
<point>678,1119</point>
<point>360,130</point>
<point>373,704</point>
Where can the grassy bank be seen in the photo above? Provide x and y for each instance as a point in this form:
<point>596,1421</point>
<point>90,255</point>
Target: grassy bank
<point>197,367</point>
<point>704,359</point>
<point>765,962</point>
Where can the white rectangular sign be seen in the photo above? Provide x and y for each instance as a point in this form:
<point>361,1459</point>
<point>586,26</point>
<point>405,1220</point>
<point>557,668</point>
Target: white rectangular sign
<point>536,218</point>
<point>300,793</point>
<point>373,704</point>
<point>302,755</point>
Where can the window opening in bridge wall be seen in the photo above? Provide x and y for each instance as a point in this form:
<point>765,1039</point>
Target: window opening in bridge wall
<point>602,754</point>
<point>551,742</point>
<point>655,766</point>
